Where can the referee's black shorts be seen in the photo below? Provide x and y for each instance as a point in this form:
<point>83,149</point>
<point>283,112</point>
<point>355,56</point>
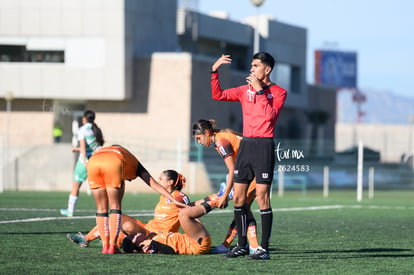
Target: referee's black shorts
<point>256,158</point>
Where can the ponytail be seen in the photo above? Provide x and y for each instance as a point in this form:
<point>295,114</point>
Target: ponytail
<point>177,178</point>
<point>98,134</point>
<point>89,115</point>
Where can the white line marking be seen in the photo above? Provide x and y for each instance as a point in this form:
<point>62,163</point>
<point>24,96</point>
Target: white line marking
<point>147,213</point>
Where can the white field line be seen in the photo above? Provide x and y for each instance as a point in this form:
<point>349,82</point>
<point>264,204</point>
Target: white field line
<point>146,213</point>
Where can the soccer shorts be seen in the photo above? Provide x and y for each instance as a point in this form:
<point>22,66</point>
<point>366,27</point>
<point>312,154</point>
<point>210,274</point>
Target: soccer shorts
<point>255,159</point>
<point>183,244</point>
<point>105,171</point>
<point>80,173</point>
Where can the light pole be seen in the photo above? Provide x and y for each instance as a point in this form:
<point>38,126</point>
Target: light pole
<point>410,142</point>
<point>9,98</point>
<point>257,3</point>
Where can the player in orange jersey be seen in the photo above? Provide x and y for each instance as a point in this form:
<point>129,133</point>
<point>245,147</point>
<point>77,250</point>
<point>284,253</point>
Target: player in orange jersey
<point>108,169</point>
<point>195,240</point>
<point>165,214</point>
<point>227,143</point>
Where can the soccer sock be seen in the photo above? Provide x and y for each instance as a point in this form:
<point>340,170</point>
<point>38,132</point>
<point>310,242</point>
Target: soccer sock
<point>251,234</point>
<point>207,207</point>
<point>72,203</point>
<point>267,221</point>
<point>102,221</point>
<point>211,197</point>
<point>92,235</point>
<point>231,234</point>
<point>114,225</point>
<point>240,218</point>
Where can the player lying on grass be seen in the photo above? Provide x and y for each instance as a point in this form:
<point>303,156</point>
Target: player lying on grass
<point>195,240</point>
<point>165,213</point>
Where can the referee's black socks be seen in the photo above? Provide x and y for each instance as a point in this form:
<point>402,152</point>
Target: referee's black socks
<point>240,218</point>
<point>266,216</point>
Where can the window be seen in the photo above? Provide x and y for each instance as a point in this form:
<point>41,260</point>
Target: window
<point>11,53</point>
<point>19,53</point>
<point>287,77</point>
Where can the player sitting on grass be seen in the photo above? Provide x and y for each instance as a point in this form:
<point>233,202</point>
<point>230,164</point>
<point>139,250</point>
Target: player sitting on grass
<point>195,240</point>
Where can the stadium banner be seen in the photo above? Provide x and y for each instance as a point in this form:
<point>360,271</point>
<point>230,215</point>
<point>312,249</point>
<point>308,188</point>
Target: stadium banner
<point>336,68</point>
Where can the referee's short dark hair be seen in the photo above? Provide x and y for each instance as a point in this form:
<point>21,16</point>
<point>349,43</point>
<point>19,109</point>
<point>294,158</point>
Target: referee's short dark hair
<point>266,58</point>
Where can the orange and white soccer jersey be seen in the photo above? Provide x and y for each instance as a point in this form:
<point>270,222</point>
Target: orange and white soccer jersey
<point>183,244</point>
<point>227,145</point>
<point>166,214</point>
<point>110,166</point>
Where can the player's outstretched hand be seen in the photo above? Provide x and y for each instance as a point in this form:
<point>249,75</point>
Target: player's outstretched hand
<point>223,59</point>
<point>222,202</point>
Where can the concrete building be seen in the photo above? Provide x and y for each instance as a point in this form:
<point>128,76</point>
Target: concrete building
<point>143,66</point>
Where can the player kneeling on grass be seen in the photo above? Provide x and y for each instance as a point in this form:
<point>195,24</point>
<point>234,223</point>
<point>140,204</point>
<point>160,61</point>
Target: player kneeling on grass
<point>195,240</point>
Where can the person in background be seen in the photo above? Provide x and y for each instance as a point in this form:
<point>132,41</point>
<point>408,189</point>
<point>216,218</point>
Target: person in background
<point>90,139</point>
<point>57,133</point>
<point>261,102</point>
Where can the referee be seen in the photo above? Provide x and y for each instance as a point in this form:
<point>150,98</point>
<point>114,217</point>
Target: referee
<point>261,102</point>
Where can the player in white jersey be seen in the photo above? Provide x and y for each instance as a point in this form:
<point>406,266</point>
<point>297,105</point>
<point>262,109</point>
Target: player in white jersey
<point>90,139</point>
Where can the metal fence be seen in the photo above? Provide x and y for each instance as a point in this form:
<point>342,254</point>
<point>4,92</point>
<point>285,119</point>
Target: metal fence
<point>304,165</point>
<point>300,164</point>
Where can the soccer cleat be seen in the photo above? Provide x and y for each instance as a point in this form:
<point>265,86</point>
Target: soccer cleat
<point>260,254</point>
<point>105,250</point>
<point>223,186</point>
<point>78,238</point>
<point>66,213</point>
<point>220,249</point>
<point>252,250</point>
<point>113,250</point>
<point>237,251</point>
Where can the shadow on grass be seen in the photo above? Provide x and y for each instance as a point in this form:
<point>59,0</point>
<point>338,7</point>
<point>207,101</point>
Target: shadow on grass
<point>358,253</point>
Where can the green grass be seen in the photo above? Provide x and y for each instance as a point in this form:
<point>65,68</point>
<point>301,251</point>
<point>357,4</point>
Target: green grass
<point>373,236</point>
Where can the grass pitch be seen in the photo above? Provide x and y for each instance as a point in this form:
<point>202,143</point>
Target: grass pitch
<point>311,235</point>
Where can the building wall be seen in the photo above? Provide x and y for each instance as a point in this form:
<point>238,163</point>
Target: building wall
<point>121,61</point>
<point>160,136</point>
<point>392,141</point>
<point>27,128</point>
<point>150,26</point>
<point>91,34</point>
<point>288,45</point>
<point>323,100</point>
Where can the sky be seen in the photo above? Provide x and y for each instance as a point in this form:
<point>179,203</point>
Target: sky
<point>380,31</point>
